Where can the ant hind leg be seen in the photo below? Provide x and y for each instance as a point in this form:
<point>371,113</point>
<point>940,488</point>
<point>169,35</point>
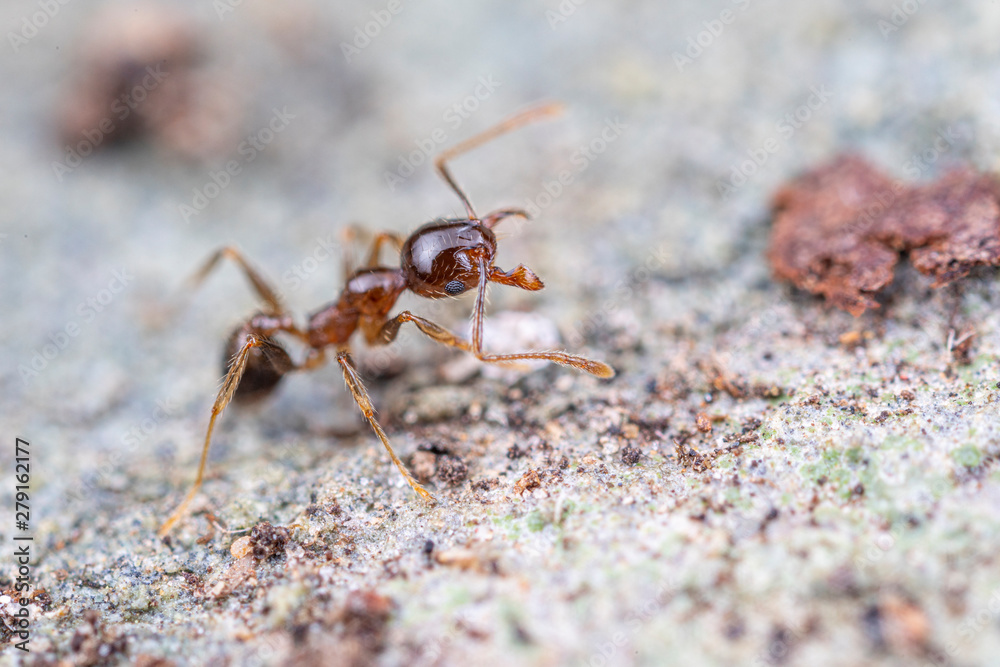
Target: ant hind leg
<point>255,351</point>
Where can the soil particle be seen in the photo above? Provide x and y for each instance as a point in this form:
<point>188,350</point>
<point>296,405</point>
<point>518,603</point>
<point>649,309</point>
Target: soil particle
<point>529,481</point>
<point>267,540</point>
<point>703,423</point>
<point>92,644</point>
<point>630,455</point>
<point>452,470</point>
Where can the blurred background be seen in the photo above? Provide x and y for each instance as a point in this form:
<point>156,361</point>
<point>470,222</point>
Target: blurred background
<point>138,138</point>
<point>113,169</point>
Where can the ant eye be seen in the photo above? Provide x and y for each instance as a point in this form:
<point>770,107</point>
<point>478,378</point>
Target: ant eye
<point>455,287</point>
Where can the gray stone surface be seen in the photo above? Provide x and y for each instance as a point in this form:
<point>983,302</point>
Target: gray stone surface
<point>857,524</point>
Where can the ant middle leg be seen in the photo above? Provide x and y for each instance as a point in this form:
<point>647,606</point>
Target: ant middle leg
<point>351,235</point>
<point>381,239</point>
<point>259,284</point>
<point>361,397</point>
<point>390,329</point>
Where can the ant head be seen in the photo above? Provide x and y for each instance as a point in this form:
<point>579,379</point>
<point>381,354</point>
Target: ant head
<point>444,258</point>
<point>447,258</point>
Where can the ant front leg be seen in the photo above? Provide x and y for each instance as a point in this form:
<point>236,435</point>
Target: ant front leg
<point>391,328</point>
<point>521,277</point>
<point>526,279</point>
<point>257,365</point>
<point>364,402</point>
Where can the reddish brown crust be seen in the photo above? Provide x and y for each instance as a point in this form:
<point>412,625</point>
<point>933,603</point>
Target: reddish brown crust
<point>840,229</point>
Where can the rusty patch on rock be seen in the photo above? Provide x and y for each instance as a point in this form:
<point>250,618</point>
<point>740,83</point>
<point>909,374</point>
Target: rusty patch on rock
<point>840,230</point>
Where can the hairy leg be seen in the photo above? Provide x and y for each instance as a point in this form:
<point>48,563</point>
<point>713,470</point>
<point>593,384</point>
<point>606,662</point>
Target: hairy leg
<point>364,402</point>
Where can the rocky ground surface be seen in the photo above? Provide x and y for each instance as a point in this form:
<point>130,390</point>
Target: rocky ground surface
<point>767,481</point>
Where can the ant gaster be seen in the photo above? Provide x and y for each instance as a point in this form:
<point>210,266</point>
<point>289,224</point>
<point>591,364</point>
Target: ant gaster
<point>443,258</point>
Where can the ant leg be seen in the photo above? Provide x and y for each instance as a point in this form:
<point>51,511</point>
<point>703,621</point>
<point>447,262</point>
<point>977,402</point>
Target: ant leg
<point>257,281</point>
<point>391,328</point>
<point>229,386</point>
<point>598,368</point>
<point>349,238</point>
<point>445,337</point>
<point>351,235</point>
<point>478,140</point>
<point>364,402</point>
<point>380,239</point>
<point>491,220</point>
<point>521,277</point>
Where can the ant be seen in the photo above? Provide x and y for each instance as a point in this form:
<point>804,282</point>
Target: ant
<point>443,258</point>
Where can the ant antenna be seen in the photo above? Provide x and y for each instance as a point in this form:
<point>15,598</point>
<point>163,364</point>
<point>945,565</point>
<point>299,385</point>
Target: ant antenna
<point>514,122</point>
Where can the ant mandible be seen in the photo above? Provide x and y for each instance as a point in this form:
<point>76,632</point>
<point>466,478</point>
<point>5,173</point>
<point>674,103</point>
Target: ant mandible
<point>443,258</point>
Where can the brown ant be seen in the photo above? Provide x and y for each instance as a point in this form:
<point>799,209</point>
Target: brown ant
<point>443,258</point>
